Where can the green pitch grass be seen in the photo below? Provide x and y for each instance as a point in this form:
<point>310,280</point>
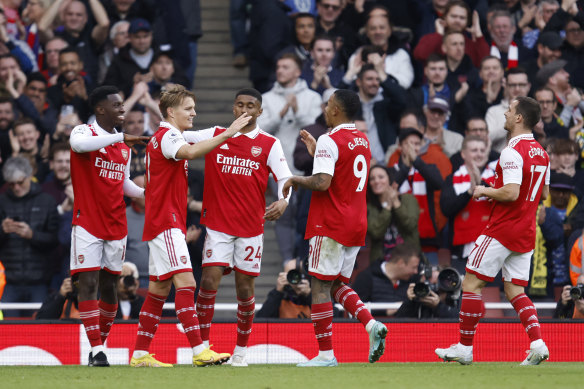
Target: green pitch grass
<point>350,375</point>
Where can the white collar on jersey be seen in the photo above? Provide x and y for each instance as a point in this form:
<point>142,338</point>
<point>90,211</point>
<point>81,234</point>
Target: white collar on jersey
<point>252,134</point>
<point>348,126</point>
<point>522,136</point>
<point>99,129</point>
<point>168,125</point>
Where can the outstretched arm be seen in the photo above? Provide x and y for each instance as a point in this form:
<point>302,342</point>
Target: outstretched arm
<point>319,182</point>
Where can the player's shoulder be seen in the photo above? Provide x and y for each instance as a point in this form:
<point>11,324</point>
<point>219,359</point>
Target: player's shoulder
<point>83,129</point>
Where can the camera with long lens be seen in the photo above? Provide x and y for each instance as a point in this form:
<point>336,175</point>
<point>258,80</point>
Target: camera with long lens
<point>577,292</point>
<point>449,280</point>
<point>299,273</point>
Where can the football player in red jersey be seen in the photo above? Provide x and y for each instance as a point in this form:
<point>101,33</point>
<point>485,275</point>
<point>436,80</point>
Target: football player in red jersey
<point>234,211</point>
<point>522,177</point>
<point>100,174</point>
<point>337,223</point>
<point>166,176</point>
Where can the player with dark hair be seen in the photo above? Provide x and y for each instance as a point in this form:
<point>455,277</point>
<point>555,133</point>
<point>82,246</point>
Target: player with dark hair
<point>337,223</point>
<point>234,211</point>
<point>100,175</point>
<point>166,178</point>
<point>522,177</point>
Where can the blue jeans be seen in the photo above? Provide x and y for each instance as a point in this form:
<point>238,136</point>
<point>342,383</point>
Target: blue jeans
<point>23,294</point>
<point>237,22</point>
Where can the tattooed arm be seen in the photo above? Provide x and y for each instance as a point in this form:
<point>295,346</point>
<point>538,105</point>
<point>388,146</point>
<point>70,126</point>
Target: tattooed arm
<point>319,181</point>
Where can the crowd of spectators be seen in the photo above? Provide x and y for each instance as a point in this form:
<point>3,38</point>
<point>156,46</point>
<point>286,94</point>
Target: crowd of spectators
<point>434,78</point>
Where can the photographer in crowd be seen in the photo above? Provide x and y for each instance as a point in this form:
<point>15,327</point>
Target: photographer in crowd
<point>64,305</point>
<point>438,297</point>
<point>571,304</point>
<point>290,299</point>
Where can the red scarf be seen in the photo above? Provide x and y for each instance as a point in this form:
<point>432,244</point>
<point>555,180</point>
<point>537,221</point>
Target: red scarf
<point>512,55</point>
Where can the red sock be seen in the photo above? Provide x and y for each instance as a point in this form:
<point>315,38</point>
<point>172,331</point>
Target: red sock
<point>350,300</point>
<point>184,303</point>
<point>107,314</point>
<point>471,311</point>
<point>205,310</point>
<point>528,316</point>
<point>89,314</point>
<point>245,314</point>
<point>149,319</point>
<point>322,320</point>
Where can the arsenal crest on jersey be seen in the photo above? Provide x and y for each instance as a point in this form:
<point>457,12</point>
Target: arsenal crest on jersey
<point>209,253</point>
<point>256,151</point>
<point>183,259</point>
<point>125,154</point>
<point>81,258</point>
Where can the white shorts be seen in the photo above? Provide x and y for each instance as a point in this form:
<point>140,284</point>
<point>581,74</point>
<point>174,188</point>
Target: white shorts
<point>243,255</point>
<point>89,253</point>
<point>169,255</point>
<point>489,256</point>
<point>329,260</point>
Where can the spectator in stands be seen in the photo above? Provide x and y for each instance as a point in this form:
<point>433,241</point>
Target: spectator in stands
<point>387,279</point>
<point>67,122</point>
<point>31,16</point>
<point>304,34</point>
<point>238,17</point>
<point>461,71</point>
<point>535,20</point>
<point>435,83</point>
<point>456,18</point>
<point>420,169</point>
<point>26,237</point>
<point>52,49</point>
<point>570,104</point>
<point>328,22</point>
<point>319,72</point>
<point>60,177</point>
<point>18,48</point>
<point>382,100</point>
<point>165,72</point>
<point>118,38</point>
<point>568,307</point>
<point>476,126</point>
<point>31,101</point>
<point>467,216</point>
<point>479,100</point>
<point>137,250</point>
<point>78,31</point>
<point>118,10</point>
<point>270,32</point>
<point>72,87</point>
<point>395,60</point>
<point>28,144</point>
<point>132,63</point>
<point>64,305</point>
<point>552,123</point>
<point>134,124</point>
<point>502,30</point>
<point>437,303</point>
<point>392,218</point>
<point>548,49</point>
<point>9,67</point>
<point>289,105</point>
<point>6,122</point>
<point>429,17</point>
<point>555,233</point>
<point>288,300</point>
<point>516,84</point>
<point>436,112</point>
<point>568,20</point>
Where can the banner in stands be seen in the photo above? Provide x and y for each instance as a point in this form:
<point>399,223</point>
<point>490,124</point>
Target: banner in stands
<point>66,344</point>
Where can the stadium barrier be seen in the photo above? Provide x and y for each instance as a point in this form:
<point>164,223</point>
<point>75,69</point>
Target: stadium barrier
<point>58,343</point>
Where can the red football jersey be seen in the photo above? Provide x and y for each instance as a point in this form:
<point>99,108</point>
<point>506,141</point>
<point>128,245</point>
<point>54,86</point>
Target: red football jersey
<point>98,183</point>
<point>512,223</point>
<point>236,179</point>
<point>166,184</point>
<point>340,212</point>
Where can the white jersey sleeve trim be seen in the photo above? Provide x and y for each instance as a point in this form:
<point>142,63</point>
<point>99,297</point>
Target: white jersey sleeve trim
<point>277,162</point>
<point>198,136</point>
<point>547,175</point>
<point>511,164</point>
<point>83,141</point>
<point>171,142</point>
<point>325,156</point>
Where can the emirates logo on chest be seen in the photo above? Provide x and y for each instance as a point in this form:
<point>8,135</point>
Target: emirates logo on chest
<point>256,151</point>
<point>125,154</point>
